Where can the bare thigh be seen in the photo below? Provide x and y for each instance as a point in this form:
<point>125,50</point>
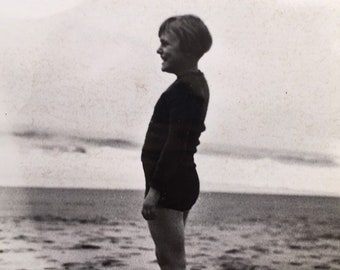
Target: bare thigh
<point>167,231</point>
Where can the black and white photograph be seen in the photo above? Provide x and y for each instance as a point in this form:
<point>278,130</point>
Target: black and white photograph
<point>171,135</point>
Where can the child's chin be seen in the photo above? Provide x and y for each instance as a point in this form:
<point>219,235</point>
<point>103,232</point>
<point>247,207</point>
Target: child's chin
<point>166,69</point>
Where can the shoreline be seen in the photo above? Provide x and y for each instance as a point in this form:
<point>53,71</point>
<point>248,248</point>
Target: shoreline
<point>334,196</point>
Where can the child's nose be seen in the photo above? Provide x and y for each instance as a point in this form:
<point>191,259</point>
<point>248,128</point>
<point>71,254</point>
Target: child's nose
<point>159,50</point>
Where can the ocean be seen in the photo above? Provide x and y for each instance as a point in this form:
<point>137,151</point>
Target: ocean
<point>211,207</point>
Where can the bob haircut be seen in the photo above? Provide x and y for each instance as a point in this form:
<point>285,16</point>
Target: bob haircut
<point>194,36</point>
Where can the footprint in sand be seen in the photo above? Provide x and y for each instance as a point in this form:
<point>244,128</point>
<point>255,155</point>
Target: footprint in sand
<point>125,247</point>
<point>114,240</point>
<point>112,262</point>
<point>314,256</point>
<point>260,249</point>
<point>235,265</point>
<point>336,261</point>
<point>296,247</point>
<point>126,255</point>
<point>199,255</point>
<point>20,250</point>
<point>208,238</point>
<point>85,246</point>
<point>322,266</point>
<point>276,262</point>
<point>296,263</point>
<point>87,265</point>
<point>135,253</point>
<point>70,265</point>
<point>277,251</point>
<point>233,251</point>
<point>20,237</point>
<point>48,241</point>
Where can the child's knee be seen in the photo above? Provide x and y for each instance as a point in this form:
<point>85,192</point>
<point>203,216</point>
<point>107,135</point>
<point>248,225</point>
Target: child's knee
<point>171,258</point>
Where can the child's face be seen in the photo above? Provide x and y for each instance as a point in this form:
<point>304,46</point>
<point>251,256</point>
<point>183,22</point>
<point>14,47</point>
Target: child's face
<point>174,60</point>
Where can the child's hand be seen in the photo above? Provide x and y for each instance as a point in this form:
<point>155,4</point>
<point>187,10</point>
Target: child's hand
<point>149,205</point>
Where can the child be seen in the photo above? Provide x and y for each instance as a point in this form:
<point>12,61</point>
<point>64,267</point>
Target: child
<point>172,184</point>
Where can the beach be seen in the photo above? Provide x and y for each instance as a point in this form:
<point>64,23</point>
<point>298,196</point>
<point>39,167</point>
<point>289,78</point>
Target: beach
<point>79,81</point>
<point>46,228</point>
<point>74,203</point>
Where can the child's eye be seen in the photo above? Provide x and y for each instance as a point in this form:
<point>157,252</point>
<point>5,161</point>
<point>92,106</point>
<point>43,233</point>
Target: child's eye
<point>164,43</point>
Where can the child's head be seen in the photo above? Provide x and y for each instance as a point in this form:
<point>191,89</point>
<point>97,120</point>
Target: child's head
<point>193,35</point>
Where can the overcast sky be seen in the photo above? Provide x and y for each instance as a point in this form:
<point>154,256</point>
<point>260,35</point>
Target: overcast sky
<point>91,67</point>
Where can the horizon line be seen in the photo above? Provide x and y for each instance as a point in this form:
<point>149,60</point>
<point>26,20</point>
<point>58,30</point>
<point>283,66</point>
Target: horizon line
<point>263,193</point>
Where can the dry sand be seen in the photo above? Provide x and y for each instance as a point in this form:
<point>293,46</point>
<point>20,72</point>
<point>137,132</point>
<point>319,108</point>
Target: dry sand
<point>51,243</point>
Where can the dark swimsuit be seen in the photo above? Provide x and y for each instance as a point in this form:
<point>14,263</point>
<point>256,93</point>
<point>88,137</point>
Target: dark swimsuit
<point>172,139</point>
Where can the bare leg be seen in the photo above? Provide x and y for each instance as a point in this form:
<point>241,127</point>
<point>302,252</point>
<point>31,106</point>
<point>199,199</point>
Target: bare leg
<point>167,232</point>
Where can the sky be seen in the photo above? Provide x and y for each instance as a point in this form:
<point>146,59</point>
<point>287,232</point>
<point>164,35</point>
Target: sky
<point>90,68</point>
